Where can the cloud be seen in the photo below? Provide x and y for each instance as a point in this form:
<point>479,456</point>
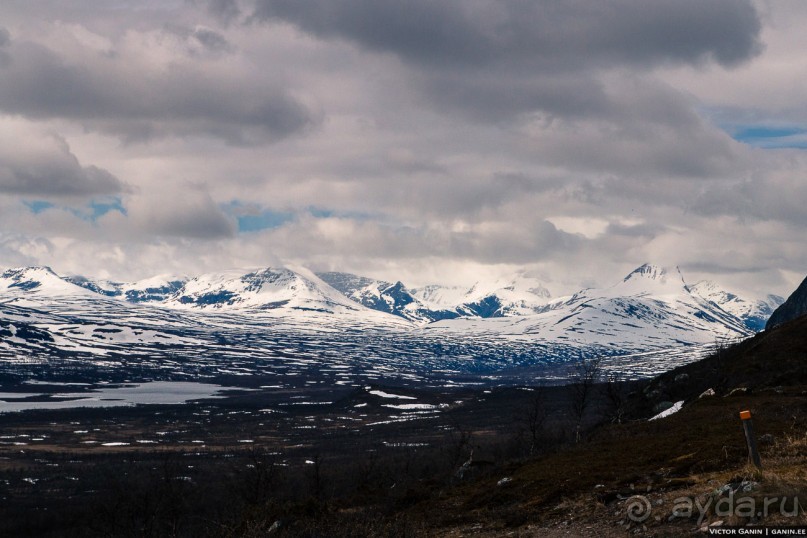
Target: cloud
<point>583,69</point>
<point>434,139</point>
<point>225,11</point>
<point>312,238</point>
<point>547,35</point>
<point>150,84</point>
<point>34,162</point>
<point>211,39</point>
<point>185,211</point>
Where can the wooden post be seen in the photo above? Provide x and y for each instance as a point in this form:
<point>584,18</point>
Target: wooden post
<point>748,427</point>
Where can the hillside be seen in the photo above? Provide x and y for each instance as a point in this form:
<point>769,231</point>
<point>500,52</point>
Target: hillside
<point>584,490</point>
<point>794,307</point>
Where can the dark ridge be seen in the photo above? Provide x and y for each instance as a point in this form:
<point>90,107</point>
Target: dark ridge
<point>794,307</point>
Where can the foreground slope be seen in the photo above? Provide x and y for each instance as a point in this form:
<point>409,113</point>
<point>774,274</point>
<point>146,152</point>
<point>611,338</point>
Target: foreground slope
<point>794,307</point>
<point>697,453</point>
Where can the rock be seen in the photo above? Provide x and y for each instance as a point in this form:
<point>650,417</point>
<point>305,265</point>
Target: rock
<point>724,490</point>
<point>662,406</point>
<point>767,439</point>
<point>747,486</point>
<point>707,393</point>
<point>680,378</point>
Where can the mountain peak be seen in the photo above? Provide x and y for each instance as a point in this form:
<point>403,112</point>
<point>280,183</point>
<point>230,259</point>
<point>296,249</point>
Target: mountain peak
<point>649,271</point>
<point>41,269</point>
<point>39,279</point>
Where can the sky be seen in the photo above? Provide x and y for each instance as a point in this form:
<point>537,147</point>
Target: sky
<point>429,142</point>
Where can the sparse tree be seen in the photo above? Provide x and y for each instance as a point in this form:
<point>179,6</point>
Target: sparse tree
<point>584,376</point>
<point>315,479</point>
<point>615,397</point>
<point>535,417</point>
<point>458,441</point>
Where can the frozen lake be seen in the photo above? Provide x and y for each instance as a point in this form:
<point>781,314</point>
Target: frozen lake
<point>157,392</point>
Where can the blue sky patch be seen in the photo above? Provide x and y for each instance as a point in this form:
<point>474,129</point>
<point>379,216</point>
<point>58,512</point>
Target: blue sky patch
<point>99,209</point>
<point>321,213</point>
<point>263,221</point>
<point>770,136</point>
<point>253,218</point>
<point>37,206</point>
<point>91,212</point>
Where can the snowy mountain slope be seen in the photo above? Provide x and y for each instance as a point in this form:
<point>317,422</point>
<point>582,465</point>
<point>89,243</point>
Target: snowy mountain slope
<point>263,289</point>
<point>649,309</point>
<point>293,323</point>
<point>754,312</point>
<point>37,281</point>
<point>517,296</point>
<point>151,290</point>
<point>383,296</point>
<point>437,297</point>
<point>505,297</point>
<point>273,291</point>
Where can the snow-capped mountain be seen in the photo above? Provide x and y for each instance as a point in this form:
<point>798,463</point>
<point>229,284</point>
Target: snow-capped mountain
<point>38,281</point>
<point>348,323</point>
<point>437,297</point>
<point>517,296</point>
<point>648,309</point>
<point>151,290</point>
<point>270,290</point>
<point>505,297</point>
<point>753,312</point>
<point>383,296</point>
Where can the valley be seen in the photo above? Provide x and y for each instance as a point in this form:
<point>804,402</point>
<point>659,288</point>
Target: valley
<point>231,404</point>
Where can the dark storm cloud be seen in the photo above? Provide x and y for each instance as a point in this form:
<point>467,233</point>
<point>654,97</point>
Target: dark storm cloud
<point>546,33</point>
<point>492,61</point>
<point>104,92</point>
<point>50,170</point>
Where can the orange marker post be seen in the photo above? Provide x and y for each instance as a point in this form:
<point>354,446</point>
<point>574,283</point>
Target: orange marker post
<point>748,428</point>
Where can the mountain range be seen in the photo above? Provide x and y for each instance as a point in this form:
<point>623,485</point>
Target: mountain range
<point>272,312</point>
